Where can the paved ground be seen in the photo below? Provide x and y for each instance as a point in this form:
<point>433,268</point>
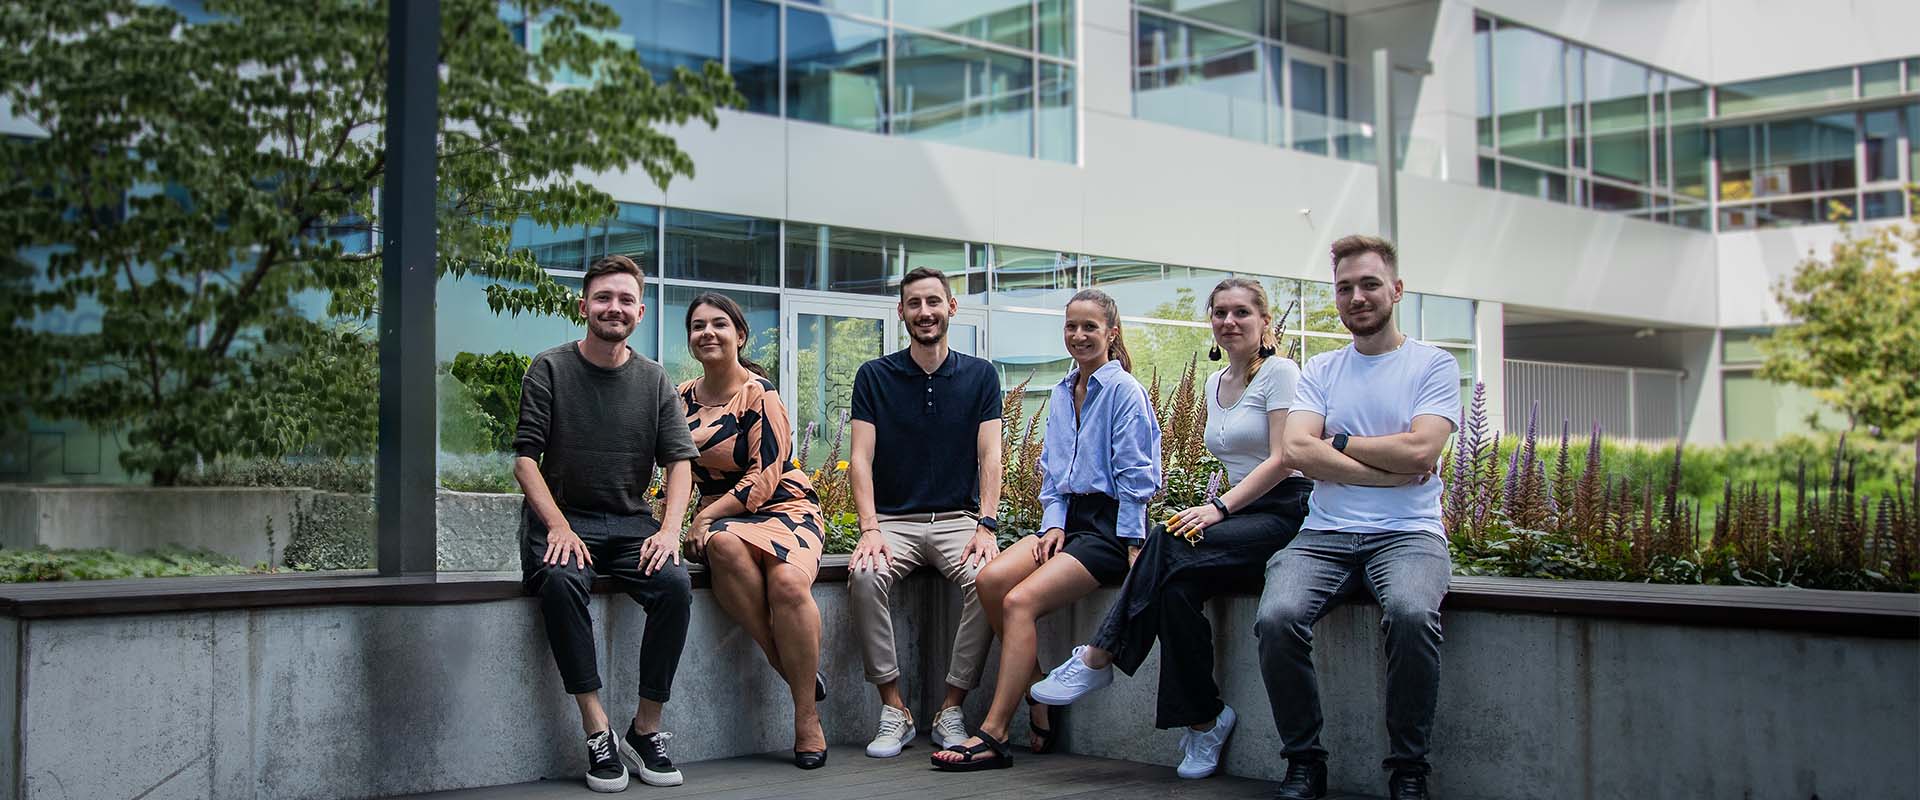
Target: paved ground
<point>850,774</point>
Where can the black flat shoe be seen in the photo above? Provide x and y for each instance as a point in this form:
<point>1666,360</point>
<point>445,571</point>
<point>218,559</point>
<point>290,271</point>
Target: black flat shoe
<point>820,692</point>
<point>1054,714</point>
<point>809,759</point>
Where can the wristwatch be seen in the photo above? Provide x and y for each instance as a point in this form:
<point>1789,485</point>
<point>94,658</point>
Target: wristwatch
<point>989,523</point>
<point>1222,505</point>
<point>1340,442</point>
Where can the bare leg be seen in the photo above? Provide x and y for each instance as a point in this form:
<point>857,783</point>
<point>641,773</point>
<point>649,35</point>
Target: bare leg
<point>646,718</point>
<point>890,695</point>
<point>1056,583</point>
<point>796,629</point>
<point>955,696</point>
<point>593,717</point>
<point>1000,575</point>
<point>741,590</point>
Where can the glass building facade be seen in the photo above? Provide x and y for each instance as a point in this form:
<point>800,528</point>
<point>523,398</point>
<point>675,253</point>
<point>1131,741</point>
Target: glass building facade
<point>995,75</point>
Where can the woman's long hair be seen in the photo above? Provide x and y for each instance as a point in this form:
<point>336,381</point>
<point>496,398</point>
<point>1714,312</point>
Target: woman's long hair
<point>1116,349</point>
<point>1269,341</point>
<point>730,308</point>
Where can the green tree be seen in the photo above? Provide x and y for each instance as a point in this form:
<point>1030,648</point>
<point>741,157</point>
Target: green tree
<point>1856,337</point>
<point>197,184</point>
<point>493,383</point>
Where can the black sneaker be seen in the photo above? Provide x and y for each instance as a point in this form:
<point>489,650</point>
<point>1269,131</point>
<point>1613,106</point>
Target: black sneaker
<point>646,753</point>
<point>605,773</point>
<point>1407,784</point>
<point>1306,779</point>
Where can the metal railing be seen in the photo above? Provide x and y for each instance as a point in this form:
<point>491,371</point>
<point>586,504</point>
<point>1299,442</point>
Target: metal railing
<point>1629,402</point>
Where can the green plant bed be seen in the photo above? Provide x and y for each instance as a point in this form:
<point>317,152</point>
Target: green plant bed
<point>43,564</point>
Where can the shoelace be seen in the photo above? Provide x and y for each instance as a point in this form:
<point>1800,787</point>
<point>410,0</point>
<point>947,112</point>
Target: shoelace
<point>1414,785</point>
<point>952,727</point>
<point>601,746</point>
<point>893,727</point>
<point>1299,772</point>
<point>660,744</point>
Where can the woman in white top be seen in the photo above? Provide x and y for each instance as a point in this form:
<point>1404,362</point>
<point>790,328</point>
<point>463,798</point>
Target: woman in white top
<point>1165,594</point>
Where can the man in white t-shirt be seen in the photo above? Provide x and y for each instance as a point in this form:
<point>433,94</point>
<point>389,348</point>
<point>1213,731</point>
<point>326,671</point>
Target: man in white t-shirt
<point>1368,424</point>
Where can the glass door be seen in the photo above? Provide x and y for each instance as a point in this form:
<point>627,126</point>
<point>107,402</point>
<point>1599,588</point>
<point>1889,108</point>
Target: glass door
<point>824,342</point>
<point>1309,86</point>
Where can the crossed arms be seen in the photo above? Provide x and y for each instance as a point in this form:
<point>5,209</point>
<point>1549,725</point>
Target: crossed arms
<point>1392,460</point>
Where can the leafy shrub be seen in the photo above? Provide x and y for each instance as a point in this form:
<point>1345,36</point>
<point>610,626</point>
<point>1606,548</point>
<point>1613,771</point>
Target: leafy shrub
<point>332,532</point>
<point>43,564</point>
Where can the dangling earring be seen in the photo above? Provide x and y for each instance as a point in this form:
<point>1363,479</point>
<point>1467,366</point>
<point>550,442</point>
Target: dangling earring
<point>1266,350</point>
<point>1213,353</point>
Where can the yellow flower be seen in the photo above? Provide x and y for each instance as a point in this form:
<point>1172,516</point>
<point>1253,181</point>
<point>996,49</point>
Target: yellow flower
<point>796,464</point>
<point>841,466</point>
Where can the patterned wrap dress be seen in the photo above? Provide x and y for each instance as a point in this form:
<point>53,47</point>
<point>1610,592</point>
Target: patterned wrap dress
<point>745,451</point>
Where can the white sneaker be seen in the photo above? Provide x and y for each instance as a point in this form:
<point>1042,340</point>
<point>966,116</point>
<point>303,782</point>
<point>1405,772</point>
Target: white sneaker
<point>1070,681</point>
<point>1202,748</point>
<point>949,728</point>
<point>895,732</point>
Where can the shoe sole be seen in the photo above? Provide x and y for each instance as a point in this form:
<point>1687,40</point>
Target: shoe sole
<point>1216,762</point>
<point>607,785</point>
<point>885,753</point>
<point>631,758</point>
<point>1063,699</point>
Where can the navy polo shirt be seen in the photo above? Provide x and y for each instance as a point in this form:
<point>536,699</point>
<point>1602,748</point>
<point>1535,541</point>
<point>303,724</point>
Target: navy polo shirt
<point>926,430</point>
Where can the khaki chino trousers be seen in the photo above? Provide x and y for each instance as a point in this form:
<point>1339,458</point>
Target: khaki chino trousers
<point>935,540</point>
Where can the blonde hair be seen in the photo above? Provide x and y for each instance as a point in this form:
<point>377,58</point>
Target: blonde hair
<point>1269,340</point>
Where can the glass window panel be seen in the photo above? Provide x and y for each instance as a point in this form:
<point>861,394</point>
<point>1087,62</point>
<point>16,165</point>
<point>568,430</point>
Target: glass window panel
<point>1528,96</point>
<point>1464,358</point>
<point>1741,347</point>
<point>754,59</point>
<point>872,8</point>
<point>950,257</point>
<point>1057,28</point>
<point>1059,135</point>
<point>1241,15</point>
<point>1145,289</point>
<point>463,322</point>
<point>1007,22</point>
<point>1030,348</point>
<point>722,247</point>
<point>951,92</point>
<point>1307,86</point>
<point>1315,345</point>
<point>1576,74</point>
<point>1617,92</point>
<point>1608,197</point>
<point>1489,173</point>
<point>1695,217</point>
<point>1913,138</point>
<point>1913,76</point>
<point>1521,179</point>
<point>836,71</point>
<point>632,232</point>
<point>1033,278</point>
<point>1807,155</point>
<point>1736,162</point>
<point>1483,78</point>
<point>1882,138</point>
<point>836,259</point>
<point>828,352</point>
<point>1407,312</point>
<point>1316,300</point>
<point>1879,80</point>
<point>1445,319</point>
<point>1883,205</point>
<point>1787,91</point>
<point>1738,218</point>
<point>1688,101</point>
<point>1197,78</point>
<point>669,33</point>
<point>1308,26</point>
<point>1758,410</point>
<point>552,248</point>
<point>763,330</point>
<point>1160,353</point>
<point>1789,213</point>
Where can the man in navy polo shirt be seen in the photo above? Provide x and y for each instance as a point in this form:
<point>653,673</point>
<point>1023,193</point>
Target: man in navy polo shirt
<point>926,482</point>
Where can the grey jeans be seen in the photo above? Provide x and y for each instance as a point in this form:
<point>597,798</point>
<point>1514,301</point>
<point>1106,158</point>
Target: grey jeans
<point>1407,573</point>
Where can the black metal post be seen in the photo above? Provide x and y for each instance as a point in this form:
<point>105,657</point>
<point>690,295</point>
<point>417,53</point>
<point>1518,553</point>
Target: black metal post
<point>409,424</point>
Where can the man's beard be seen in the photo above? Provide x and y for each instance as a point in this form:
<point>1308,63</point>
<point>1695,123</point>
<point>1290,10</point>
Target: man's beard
<point>1385,318</point>
<point>599,331</point>
<point>939,333</point>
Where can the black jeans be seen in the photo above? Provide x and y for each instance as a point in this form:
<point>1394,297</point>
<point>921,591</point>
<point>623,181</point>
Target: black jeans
<point>564,592</point>
<point>1165,597</point>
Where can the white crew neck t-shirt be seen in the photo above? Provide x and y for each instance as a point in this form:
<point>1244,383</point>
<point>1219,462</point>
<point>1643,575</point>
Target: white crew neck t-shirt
<point>1362,395</point>
<point>1237,434</point>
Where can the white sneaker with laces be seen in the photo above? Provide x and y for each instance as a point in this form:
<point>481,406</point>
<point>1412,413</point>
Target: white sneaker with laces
<point>1072,680</point>
<point>949,728</point>
<point>1202,748</point>
<point>895,732</point>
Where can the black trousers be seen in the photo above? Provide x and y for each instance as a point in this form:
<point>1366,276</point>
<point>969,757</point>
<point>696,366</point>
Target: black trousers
<point>1166,593</point>
<point>564,592</point>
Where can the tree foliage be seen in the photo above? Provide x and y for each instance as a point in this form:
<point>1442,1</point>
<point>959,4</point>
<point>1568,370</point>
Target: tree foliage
<point>1856,337</point>
<point>208,188</point>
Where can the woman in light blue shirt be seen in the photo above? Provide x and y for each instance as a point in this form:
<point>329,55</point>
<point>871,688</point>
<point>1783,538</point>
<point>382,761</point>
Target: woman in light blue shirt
<point>1098,469</point>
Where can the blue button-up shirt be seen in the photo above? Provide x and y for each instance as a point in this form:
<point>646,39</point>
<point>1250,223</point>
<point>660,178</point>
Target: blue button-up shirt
<point>1113,448</point>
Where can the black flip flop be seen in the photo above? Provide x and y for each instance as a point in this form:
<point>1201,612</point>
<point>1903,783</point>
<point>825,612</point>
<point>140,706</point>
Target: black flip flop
<point>1054,714</point>
<point>819,687</point>
<point>999,756</point>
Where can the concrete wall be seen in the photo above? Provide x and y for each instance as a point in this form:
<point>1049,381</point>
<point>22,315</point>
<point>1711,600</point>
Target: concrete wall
<point>366,701</point>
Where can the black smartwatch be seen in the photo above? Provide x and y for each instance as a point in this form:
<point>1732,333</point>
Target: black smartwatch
<point>989,523</point>
<point>1222,505</point>
<point>1340,442</point>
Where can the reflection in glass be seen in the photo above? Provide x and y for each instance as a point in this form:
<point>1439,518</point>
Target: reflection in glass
<point>1882,139</point>
<point>872,8</point>
<point>1147,289</point>
<point>835,71</point>
<point>836,259</point>
<point>1688,101</point>
<point>464,324</point>
<point>763,331</point>
<point>1483,79</point>
<point>1520,179</point>
<point>828,353</point>
<point>754,58</point>
<point>1056,27</point>
<point>1005,22</point>
<point>1033,278</point>
<point>1789,91</point>
<point>1161,353</point>
<point>552,248</point>
<point>1029,348</point>
<point>951,92</point>
<point>1241,15</point>
<point>1806,155</point>
<point>1528,91</point>
<point>1883,205</point>
<point>1307,88</point>
<point>1877,80</point>
<point>1445,319</point>
<point>1608,197</point>
<point>669,33</point>
<point>1310,27</point>
<point>1058,136</point>
<point>1617,92</point>
<point>631,233</point>
<point>726,248</point>
<point>1197,78</point>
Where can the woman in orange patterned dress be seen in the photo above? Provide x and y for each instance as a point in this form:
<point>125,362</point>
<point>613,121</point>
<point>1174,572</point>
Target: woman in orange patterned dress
<point>758,523</point>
